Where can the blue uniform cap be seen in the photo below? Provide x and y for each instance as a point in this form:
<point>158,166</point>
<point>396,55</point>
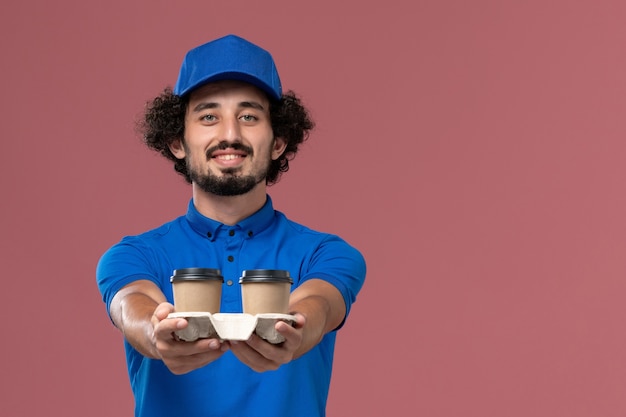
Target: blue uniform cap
<point>229,58</point>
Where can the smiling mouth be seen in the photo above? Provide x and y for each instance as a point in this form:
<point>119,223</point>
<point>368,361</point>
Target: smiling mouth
<point>229,152</point>
<point>228,157</point>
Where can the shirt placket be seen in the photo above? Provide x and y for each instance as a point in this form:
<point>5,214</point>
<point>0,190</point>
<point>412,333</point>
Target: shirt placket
<point>231,293</point>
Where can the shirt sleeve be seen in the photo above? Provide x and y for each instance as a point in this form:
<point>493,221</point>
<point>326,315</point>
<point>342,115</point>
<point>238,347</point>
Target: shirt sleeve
<point>340,264</point>
<point>122,264</point>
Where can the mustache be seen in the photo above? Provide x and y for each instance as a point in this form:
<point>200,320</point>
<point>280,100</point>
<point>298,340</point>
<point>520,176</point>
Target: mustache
<point>227,145</point>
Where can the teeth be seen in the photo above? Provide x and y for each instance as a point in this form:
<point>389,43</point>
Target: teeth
<point>228,157</point>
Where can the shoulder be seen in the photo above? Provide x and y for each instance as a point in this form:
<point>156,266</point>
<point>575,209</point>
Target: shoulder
<point>297,228</point>
<point>148,241</point>
<point>304,230</point>
<point>322,244</point>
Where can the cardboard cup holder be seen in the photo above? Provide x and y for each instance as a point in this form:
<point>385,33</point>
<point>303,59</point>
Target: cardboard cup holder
<point>231,326</point>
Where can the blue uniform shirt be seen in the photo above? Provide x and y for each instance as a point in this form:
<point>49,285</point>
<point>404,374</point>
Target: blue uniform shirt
<point>226,387</point>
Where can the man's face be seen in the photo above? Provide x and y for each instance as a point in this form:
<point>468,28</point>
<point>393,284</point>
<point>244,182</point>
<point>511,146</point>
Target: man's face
<point>228,142</point>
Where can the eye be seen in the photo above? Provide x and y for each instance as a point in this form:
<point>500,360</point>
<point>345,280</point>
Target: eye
<point>208,118</point>
<point>249,118</point>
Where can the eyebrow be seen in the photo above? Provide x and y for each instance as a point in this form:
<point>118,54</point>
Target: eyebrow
<point>212,105</point>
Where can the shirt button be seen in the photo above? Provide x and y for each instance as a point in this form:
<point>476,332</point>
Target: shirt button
<point>231,233</point>
<point>230,258</point>
<point>250,233</point>
<point>229,282</point>
<point>209,234</point>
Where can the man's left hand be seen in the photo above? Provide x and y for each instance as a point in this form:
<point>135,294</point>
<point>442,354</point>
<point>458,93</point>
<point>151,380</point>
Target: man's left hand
<point>262,356</point>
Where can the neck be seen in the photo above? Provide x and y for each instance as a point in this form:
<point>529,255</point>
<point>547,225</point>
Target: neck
<point>229,209</point>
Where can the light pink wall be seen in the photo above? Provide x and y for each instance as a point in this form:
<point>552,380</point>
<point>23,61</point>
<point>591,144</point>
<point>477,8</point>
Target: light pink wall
<point>473,150</point>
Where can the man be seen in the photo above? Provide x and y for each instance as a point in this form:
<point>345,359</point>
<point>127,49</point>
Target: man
<point>231,132</point>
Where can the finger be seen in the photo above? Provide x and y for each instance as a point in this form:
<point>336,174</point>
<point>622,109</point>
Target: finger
<point>300,320</point>
<point>276,354</point>
<point>186,361</point>
<point>163,310</point>
<point>199,347</point>
<point>292,332</point>
<point>250,356</point>
<point>165,329</point>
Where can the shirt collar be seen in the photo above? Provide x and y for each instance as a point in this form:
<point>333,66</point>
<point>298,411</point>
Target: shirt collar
<point>250,226</point>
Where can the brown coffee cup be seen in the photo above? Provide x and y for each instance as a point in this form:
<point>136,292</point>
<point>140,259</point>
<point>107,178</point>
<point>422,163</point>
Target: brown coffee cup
<point>265,291</point>
<point>197,289</point>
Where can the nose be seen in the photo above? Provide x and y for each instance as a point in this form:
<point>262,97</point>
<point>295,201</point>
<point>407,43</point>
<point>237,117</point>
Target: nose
<point>230,130</point>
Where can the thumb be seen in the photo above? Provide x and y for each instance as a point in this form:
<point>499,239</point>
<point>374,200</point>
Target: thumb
<point>162,311</point>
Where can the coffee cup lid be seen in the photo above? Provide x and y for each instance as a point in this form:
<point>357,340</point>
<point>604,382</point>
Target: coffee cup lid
<point>191,274</point>
<point>265,275</point>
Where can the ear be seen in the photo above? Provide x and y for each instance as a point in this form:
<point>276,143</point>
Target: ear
<point>279,147</point>
<point>177,148</point>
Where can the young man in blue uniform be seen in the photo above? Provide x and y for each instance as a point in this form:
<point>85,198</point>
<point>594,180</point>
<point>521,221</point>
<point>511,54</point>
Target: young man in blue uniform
<point>230,131</point>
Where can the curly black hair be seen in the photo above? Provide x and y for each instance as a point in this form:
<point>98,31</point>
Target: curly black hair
<point>164,122</point>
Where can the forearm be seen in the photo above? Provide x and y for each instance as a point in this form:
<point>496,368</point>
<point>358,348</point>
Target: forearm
<point>323,308</point>
<point>132,310</point>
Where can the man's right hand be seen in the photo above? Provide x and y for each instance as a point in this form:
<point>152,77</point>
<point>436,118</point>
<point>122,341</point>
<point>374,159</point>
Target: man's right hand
<point>179,356</point>
<point>140,311</point>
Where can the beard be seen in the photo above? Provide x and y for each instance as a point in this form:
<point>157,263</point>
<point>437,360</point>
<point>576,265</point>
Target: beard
<point>229,184</point>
